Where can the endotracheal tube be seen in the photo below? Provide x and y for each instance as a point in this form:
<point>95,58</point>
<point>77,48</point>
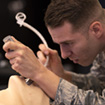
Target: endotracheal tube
<point>20,17</point>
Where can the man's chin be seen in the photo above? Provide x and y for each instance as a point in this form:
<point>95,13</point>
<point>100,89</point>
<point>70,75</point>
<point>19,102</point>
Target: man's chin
<point>84,64</point>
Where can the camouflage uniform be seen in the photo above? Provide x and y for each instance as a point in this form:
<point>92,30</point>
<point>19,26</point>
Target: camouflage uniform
<point>94,83</point>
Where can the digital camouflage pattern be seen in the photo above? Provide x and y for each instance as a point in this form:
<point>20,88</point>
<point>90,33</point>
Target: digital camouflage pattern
<point>94,83</point>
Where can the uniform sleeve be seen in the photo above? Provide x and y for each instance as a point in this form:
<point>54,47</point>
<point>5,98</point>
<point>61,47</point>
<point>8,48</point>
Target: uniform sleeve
<point>69,94</point>
<point>94,80</point>
<point>88,81</point>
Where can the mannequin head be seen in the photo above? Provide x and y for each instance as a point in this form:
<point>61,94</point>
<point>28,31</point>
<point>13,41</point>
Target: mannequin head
<point>19,93</point>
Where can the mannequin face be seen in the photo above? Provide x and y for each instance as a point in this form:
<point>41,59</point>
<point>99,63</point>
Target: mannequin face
<point>19,93</point>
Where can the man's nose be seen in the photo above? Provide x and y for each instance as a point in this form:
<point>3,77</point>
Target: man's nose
<point>65,53</point>
<point>64,56</point>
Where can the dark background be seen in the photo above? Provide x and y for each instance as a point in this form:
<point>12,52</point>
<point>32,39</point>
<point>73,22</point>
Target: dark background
<point>34,9</point>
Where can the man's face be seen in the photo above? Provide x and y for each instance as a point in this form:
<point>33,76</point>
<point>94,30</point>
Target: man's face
<point>76,46</point>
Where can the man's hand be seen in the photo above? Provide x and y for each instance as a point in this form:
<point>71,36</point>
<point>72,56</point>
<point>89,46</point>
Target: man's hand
<point>54,63</point>
<point>22,59</point>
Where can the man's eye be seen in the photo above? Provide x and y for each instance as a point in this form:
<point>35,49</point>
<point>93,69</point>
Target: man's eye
<point>71,43</point>
<point>68,43</point>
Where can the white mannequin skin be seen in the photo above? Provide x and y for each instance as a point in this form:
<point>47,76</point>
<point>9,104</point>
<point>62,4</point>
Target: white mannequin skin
<point>19,93</point>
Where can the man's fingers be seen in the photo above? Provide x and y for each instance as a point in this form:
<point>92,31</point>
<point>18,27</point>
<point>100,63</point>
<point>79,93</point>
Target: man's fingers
<point>43,48</point>
<point>41,57</point>
<point>48,51</point>
<point>15,40</point>
<point>9,46</point>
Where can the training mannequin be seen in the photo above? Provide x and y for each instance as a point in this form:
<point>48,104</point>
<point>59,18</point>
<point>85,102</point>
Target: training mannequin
<point>19,93</point>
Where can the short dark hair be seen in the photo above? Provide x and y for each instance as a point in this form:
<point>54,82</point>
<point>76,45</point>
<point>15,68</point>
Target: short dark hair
<point>76,12</point>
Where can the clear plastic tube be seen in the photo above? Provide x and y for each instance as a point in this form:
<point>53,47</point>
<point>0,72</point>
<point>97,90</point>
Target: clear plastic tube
<point>20,17</point>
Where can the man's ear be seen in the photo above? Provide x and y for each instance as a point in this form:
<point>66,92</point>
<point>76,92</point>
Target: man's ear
<point>96,29</point>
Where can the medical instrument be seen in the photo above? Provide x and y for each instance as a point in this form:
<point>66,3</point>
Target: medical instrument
<point>6,39</point>
<point>20,17</point>
<point>9,38</point>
